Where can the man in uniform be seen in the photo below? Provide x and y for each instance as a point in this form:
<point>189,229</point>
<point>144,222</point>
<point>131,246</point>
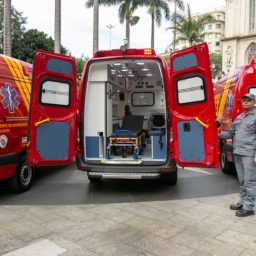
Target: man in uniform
<point>243,132</point>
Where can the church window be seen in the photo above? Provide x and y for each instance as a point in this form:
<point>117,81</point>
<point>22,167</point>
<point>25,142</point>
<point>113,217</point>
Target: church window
<point>251,52</point>
<point>252,16</point>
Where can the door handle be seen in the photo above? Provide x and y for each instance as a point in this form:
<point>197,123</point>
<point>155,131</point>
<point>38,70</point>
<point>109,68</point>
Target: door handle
<point>201,122</point>
<point>42,122</point>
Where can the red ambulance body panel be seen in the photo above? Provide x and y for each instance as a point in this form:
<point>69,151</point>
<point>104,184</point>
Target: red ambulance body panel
<point>53,120</point>
<point>193,107</point>
<point>15,88</point>
<point>228,92</point>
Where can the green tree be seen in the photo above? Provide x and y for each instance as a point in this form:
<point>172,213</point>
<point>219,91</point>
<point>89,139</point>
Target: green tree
<point>216,64</point>
<point>80,62</point>
<point>31,41</point>
<point>190,28</point>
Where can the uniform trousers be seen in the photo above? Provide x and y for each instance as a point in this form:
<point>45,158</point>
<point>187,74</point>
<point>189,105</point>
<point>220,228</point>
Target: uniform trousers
<point>246,172</point>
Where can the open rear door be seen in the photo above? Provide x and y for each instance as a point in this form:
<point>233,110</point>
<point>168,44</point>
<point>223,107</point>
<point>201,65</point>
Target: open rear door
<point>52,127</point>
<point>195,135</point>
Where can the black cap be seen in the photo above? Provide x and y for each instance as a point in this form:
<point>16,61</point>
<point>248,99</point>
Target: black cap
<point>249,96</point>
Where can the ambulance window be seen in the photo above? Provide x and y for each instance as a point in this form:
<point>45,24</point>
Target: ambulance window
<point>55,93</point>
<point>142,99</point>
<point>191,90</point>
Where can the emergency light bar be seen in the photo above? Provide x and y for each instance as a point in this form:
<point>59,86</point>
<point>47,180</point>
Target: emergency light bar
<point>128,52</point>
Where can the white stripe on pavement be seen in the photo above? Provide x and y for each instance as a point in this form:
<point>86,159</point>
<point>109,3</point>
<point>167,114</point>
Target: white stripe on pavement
<point>42,248</point>
<point>199,171</point>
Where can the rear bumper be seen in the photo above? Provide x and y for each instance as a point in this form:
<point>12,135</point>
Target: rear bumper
<point>127,171</point>
<point>124,175</point>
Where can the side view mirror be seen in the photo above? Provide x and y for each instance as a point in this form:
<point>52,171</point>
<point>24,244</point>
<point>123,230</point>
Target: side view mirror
<point>218,124</point>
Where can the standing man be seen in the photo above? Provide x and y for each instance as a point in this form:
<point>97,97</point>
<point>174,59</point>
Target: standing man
<point>243,132</point>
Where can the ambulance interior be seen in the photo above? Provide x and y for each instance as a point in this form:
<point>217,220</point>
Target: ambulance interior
<point>125,112</point>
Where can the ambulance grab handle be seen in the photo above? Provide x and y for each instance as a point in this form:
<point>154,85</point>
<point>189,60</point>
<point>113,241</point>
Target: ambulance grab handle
<point>201,122</point>
<point>42,122</point>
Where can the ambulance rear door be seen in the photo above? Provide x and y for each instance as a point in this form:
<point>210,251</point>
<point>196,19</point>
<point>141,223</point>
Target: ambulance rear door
<point>195,135</point>
<point>52,131</point>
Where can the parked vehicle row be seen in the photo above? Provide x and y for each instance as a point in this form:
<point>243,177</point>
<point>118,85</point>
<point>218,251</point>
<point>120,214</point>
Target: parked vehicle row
<point>171,120</point>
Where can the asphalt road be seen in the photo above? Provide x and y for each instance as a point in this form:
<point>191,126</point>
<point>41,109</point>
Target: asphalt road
<point>68,186</point>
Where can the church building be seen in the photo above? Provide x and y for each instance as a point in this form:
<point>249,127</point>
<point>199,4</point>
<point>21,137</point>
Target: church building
<point>239,43</point>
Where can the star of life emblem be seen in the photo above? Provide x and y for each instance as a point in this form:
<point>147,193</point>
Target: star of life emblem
<point>9,101</point>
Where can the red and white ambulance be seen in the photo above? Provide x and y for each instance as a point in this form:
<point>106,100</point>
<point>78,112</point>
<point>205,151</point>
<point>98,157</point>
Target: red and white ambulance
<point>172,122</point>
<point>228,92</point>
<point>15,88</point>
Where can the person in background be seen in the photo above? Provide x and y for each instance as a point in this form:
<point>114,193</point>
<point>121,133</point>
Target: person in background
<point>127,111</point>
<point>243,132</point>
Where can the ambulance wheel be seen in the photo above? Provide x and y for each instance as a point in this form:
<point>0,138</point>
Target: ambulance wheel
<point>170,178</point>
<point>226,166</point>
<point>23,178</point>
<point>93,179</point>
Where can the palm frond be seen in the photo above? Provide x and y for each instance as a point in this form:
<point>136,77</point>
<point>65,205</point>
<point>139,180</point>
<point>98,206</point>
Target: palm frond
<point>134,20</point>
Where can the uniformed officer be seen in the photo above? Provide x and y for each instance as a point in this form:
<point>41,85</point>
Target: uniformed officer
<point>243,132</point>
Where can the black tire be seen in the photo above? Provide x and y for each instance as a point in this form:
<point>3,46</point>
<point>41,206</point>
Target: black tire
<point>23,178</point>
<point>93,179</point>
<point>170,178</point>
<point>226,166</point>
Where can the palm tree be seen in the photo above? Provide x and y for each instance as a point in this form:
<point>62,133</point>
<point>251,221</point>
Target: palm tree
<point>156,8</point>
<point>180,5</point>
<point>125,13</point>
<point>96,26</point>
<point>95,5</point>
<point>57,27</point>
<point>7,28</point>
<point>190,27</point>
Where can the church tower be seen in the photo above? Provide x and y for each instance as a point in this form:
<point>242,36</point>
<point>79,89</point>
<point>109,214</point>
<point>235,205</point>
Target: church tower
<point>239,43</point>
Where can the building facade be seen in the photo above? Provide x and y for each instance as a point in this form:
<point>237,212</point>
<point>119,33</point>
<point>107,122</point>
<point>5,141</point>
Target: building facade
<point>213,32</point>
<point>239,43</point>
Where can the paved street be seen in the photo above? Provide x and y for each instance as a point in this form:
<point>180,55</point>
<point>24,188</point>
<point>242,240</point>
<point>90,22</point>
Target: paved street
<point>63,214</point>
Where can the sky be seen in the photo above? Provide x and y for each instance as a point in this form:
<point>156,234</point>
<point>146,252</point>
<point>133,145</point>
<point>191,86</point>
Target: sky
<point>76,31</point>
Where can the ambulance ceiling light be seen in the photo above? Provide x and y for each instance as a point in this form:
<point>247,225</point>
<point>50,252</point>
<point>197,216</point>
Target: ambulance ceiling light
<point>117,64</point>
<point>140,63</point>
<point>145,69</point>
<point>149,74</point>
